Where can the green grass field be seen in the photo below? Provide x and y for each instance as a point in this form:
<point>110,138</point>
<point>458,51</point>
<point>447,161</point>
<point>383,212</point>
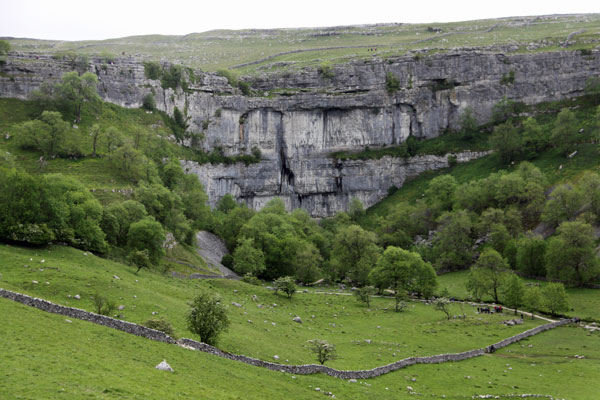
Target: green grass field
<point>585,303</point>
<point>341,320</point>
<point>45,356</point>
<point>220,49</point>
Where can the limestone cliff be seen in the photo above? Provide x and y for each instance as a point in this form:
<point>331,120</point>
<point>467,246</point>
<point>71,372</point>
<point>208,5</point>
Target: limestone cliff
<point>300,118</point>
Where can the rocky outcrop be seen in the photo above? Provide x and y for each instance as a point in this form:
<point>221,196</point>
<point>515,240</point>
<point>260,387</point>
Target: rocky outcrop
<point>319,184</point>
<point>297,119</point>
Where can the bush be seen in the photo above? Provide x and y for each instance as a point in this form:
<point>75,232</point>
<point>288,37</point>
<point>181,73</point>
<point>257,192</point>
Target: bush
<point>148,102</point>
<point>392,83</point>
<point>452,161</point>
<point>252,280</point>
<point>102,305</point>
<point>325,71</point>
<point>152,70</point>
<point>286,284</point>
<point>160,325</point>
<point>207,317</point>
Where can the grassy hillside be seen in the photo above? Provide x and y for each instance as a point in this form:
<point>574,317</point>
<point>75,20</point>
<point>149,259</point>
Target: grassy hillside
<point>215,50</point>
<point>556,167</point>
<point>419,330</point>
<point>584,303</point>
<point>46,357</point>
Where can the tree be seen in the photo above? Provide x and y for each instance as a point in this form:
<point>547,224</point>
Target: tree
<point>403,271</point>
<point>468,124</point>
<point>443,304</point>
<point>531,252</point>
<point>506,142</point>
<point>563,204</point>
<point>554,298</point>
<point>286,284</point>
<point>488,274</point>
<point>95,133</point>
<point>533,138</point>
<point>323,350</point>
<point>132,164</point>
<point>47,134</point>
<point>307,263</point>
<point>363,294</point>
<point>114,139</point>
<point>440,192</point>
<point>354,254</point>
<point>452,242</point>
<point>74,91</point>
<point>148,102</point>
<point>571,255</point>
<point>532,299</point>
<point>247,259</point>
<point>514,292</point>
<point>589,190</point>
<point>147,234</point>
<point>504,109</point>
<point>356,209</point>
<point>207,317</point>
<point>140,259</point>
<point>592,88</point>
<point>564,134</point>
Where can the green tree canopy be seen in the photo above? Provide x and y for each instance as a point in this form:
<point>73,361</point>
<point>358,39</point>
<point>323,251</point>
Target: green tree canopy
<point>453,242</point>
<point>514,292</point>
<point>247,259</point>
<point>74,91</point>
<point>147,234</point>
<point>207,317</point>
<point>571,255</point>
<point>531,251</point>
<point>564,134</point>
<point>354,254</point>
<point>554,298</point>
<point>488,275</point>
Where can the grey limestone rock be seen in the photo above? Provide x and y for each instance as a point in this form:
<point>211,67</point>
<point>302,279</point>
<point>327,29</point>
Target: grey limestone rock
<point>297,133</point>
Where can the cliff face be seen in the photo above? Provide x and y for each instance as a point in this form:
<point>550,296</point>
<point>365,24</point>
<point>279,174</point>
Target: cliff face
<point>300,118</point>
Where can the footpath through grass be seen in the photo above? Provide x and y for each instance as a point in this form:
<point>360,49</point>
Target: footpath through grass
<point>584,303</point>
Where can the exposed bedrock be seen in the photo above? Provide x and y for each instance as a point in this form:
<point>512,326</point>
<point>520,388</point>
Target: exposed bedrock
<point>299,118</point>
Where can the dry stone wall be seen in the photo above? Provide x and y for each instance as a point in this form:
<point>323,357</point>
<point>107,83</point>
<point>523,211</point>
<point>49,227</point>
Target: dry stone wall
<point>292,369</point>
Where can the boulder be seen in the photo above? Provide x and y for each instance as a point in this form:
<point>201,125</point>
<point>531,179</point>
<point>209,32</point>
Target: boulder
<point>297,319</point>
<point>164,366</point>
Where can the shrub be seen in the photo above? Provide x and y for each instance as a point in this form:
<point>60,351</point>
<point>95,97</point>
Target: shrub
<point>160,325</point>
<point>102,305</point>
<point>252,280</point>
<point>508,79</point>
<point>323,350</point>
<point>148,102</point>
<point>452,161</point>
<point>286,284</point>
<point>392,83</point>
<point>325,71</point>
<point>152,70</point>
<point>207,317</point>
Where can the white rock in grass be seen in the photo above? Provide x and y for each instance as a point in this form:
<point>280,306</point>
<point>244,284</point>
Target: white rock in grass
<point>163,366</point>
<point>77,297</point>
<point>276,357</point>
<point>297,319</point>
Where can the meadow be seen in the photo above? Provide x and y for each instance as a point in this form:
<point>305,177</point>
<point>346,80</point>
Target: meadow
<point>47,356</point>
<point>223,49</point>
